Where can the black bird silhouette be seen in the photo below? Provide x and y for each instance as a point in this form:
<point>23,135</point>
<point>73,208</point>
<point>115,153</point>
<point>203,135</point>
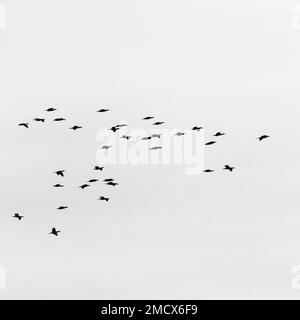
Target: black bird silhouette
<point>26,125</point>
<point>197,128</point>
<point>84,186</point>
<point>58,186</point>
<point>62,208</point>
<point>156,135</point>
<point>219,134</point>
<point>75,128</point>
<point>227,167</point>
<point>179,134</point>
<point>210,143</point>
<point>98,168</point>
<point>106,147</point>
<point>114,129</point>
<point>157,123</point>
<point>155,148</point>
<point>60,172</point>
<point>108,180</point>
<point>263,137</point>
<point>103,198</point>
<point>50,109</point>
<point>208,170</point>
<point>103,110</point>
<point>59,119</point>
<point>146,138</point>
<point>112,183</point>
<point>121,125</point>
<point>126,137</point>
<point>93,180</point>
<point>148,118</point>
<point>16,215</point>
<point>54,232</point>
<point>39,119</point>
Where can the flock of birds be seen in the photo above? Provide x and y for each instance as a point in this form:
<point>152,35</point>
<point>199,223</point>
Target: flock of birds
<point>110,181</point>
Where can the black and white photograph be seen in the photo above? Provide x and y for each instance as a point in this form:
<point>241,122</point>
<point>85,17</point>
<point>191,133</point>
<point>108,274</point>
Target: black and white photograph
<point>149,151</point>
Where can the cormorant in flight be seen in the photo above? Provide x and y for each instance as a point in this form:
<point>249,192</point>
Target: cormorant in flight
<point>84,186</point>
<point>106,147</point>
<point>197,128</point>
<point>148,118</point>
<point>60,173</point>
<point>155,148</point>
<point>59,119</point>
<point>263,137</point>
<point>227,167</point>
<point>16,215</point>
<point>219,134</point>
<point>58,185</point>
<point>103,198</point>
<point>210,143</point>
<point>75,128</point>
<point>26,125</point>
<point>54,232</point>
<point>157,123</point>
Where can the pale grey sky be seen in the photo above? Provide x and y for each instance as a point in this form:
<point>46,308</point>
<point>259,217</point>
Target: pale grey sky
<point>226,65</point>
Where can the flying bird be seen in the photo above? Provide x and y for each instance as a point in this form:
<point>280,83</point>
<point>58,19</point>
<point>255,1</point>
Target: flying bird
<point>148,118</point>
<point>106,147</point>
<point>157,123</point>
<point>210,143</point>
<point>219,134</point>
<point>208,170</point>
<point>60,172</point>
<point>54,232</point>
<point>112,183</point>
<point>155,148</point>
<point>58,186</point>
<point>126,137</point>
<point>179,134</point>
<point>93,180</point>
<point>227,167</point>
<point>84,186</point>
<point>103,110</point>
<point>39,119</point>
<point>197,128</point>
<point>59,119</point>
<point>75,128</point>
<point>62,208</point>
<point>17,216</point>
<point>146,138</point>
<point>263,137</point>
<point>103,198</point>
<point>114,129</point>
<point>98,168</point>
<point>108,180</point>
<point>156,135</point>
<point>26,125</point>
<point>121,125</point>
<point>50,109</point>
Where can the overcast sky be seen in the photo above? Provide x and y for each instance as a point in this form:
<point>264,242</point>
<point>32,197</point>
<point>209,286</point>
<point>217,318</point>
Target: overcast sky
<point>228,65</point>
